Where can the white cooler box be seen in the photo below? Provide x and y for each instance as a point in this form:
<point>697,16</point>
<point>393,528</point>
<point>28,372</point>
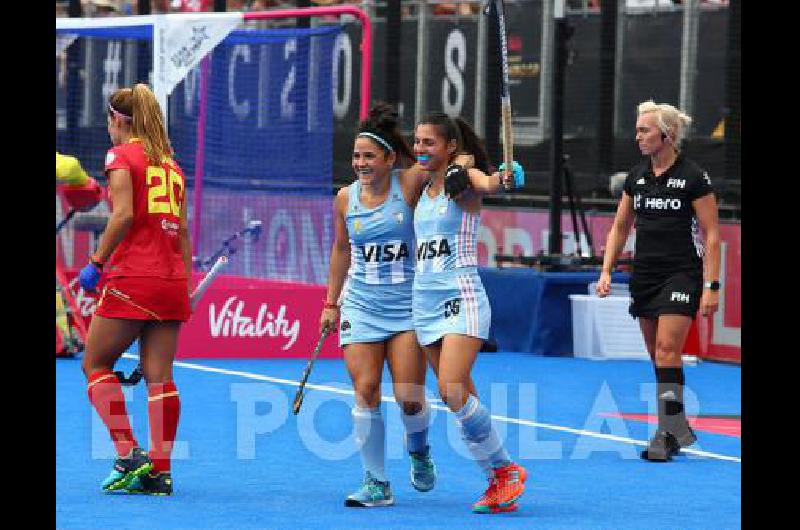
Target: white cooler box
<point>602,328</point>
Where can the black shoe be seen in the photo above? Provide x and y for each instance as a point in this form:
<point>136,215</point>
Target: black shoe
<point>160,484</point>
<point>663,446</point>
<point>685,438</point>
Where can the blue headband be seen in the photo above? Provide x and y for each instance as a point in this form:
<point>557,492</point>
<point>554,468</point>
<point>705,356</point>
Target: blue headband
<point>377,139</point>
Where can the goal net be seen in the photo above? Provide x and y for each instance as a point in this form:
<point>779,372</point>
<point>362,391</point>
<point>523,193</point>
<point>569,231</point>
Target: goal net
<point>250,117</point>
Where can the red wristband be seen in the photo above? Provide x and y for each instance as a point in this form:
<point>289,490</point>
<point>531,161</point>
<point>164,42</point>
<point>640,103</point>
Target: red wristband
<point>329,305</point>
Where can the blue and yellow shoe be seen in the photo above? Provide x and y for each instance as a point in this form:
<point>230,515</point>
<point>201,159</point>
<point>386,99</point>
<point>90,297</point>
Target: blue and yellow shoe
<point>147,484</point>
<point>423,470</point>
<point>126,469</point>
<point>373,492</point>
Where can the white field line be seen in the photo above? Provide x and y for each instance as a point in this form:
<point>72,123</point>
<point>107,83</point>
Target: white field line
<point>506,419</point>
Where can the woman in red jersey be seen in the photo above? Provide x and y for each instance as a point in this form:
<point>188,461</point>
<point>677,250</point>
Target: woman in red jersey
<point>144,257</point>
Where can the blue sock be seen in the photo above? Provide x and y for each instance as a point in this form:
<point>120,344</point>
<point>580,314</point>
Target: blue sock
<point>417,429</point>
<point>370,435</point>
<point>480,437</point>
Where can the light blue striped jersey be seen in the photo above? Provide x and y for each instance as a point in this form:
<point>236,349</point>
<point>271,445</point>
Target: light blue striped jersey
<point>447,236</point>
<point>381,238</point>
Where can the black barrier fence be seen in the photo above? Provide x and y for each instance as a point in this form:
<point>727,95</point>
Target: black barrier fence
<point>676,54</point>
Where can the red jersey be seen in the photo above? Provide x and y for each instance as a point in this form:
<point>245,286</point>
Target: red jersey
<point>152,246</point>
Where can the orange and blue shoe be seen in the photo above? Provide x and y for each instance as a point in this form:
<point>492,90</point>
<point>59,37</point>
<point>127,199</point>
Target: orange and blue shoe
<point>126,469</point>
<point>504,489</point>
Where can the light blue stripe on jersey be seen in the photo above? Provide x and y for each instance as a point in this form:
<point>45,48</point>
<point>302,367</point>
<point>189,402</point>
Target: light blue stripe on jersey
<point>376,298</point>
<point>381,238</point>
<point>450,302</point>
<point>446,235</point>
<point>448,294</point>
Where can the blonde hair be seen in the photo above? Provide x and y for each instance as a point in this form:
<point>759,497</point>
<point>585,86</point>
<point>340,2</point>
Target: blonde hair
<point>671,121</point>
<point>138,105</point>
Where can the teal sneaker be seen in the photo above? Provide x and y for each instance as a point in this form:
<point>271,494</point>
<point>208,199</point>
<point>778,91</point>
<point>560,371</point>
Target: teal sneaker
<point>126,469</point>
<point>147,484</point>
<point>423,470</point>
<point>373,492</point>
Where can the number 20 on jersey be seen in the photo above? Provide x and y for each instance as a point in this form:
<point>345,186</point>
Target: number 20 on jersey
<point>164,185</point>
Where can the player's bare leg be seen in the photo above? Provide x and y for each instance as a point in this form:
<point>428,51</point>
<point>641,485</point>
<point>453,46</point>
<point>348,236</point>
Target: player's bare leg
<point>364,362</point>
<point>157,349</point>
<point>107,340</point>
<point>456,355</point>
<point>673,430</point>
<point>408,367</point>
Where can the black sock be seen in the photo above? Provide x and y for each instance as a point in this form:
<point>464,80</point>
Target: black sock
<point>670,375</point>
<point>670,382</point>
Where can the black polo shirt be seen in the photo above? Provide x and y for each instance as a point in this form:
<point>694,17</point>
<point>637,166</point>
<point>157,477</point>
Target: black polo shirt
<point>667,232</point>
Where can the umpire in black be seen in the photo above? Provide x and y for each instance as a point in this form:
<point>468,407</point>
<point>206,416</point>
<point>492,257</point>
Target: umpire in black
<point>668,197</point>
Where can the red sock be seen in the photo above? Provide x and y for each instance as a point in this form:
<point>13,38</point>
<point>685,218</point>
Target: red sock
<point>105,394</point>
<point>164,409</point>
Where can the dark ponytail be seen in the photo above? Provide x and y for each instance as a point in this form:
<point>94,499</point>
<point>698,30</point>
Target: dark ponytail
<point>459,130</point>
<point>383,121</point>
<point>473,145</point>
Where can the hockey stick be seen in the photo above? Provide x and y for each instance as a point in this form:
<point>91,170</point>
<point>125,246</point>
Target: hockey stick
<point>220,259</point>
<point>505,95</point>
<point>221,262</point>
<point>298,397</point>
<point>137,373</point>
<point>66,219</point>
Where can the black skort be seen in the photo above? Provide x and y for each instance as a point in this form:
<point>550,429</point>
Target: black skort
<point>665,293</point>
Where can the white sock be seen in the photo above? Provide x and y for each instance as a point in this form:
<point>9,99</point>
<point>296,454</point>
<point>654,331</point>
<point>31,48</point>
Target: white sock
<point>417,429</point>
<point>370,435</point>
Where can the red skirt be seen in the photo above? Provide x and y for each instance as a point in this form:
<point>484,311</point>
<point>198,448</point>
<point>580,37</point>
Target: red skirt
<point>145,298</point>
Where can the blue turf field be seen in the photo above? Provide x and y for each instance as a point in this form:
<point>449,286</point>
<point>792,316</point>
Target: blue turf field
<point>244,461</point>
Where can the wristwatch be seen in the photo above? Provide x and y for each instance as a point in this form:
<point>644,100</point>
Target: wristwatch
<point>712,285</point>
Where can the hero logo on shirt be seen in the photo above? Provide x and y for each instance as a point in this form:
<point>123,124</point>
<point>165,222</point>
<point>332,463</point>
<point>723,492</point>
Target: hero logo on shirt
<point>706,178</point>
<point>657,203</point>
<point>110,157</point>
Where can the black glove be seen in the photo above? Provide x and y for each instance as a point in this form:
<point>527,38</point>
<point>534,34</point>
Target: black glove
<point>456,180</point>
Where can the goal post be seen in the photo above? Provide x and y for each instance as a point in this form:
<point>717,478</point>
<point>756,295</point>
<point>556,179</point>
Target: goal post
<point>249,112</point>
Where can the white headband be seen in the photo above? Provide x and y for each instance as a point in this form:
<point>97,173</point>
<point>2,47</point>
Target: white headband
<point>377,139</point>
<point>118,113</point>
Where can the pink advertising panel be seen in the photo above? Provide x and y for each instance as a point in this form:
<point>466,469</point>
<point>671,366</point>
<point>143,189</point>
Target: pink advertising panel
<point>244,318</point>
